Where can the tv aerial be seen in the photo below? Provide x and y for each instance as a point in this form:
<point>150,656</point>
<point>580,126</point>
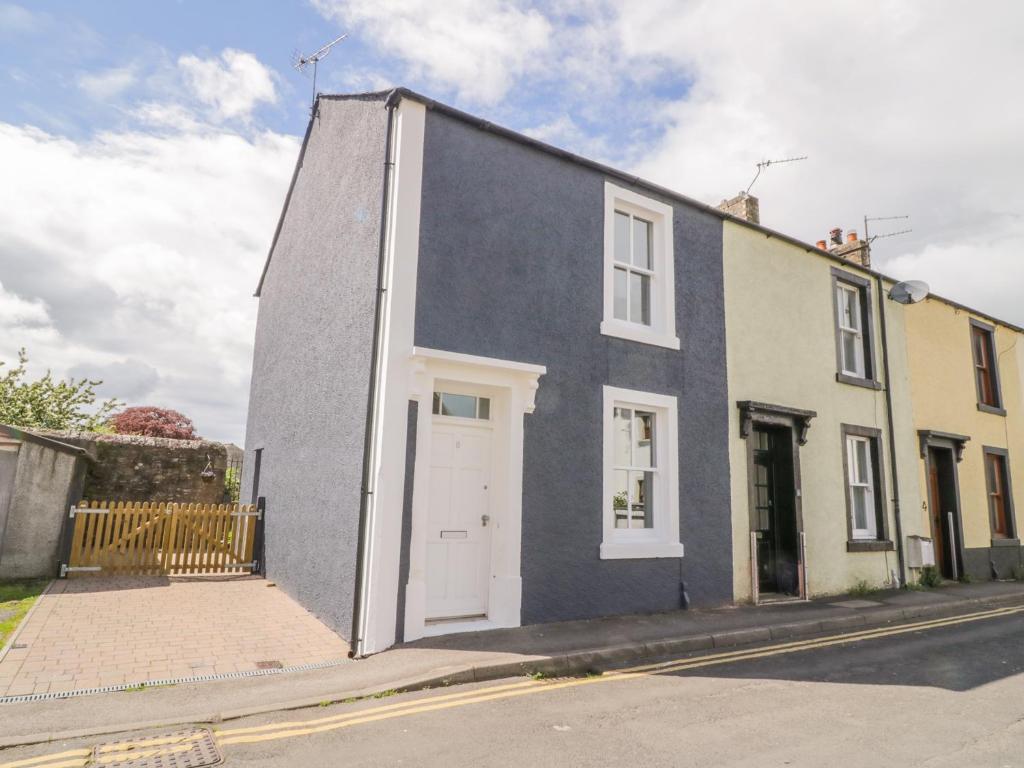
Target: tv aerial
<point>764,164</point>
<point>301,63</point>
<point>871,238</point>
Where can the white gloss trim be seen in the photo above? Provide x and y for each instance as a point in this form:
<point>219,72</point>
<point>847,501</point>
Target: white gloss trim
<point>662,331</point>
<point>512,387</point>
<point>663,539</point>
<point>634,550</point>
<point>633,332</point>
<point>387,456</point>
<point>492,362</point>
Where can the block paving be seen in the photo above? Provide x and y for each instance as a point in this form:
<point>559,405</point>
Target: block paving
<point>96,631</point>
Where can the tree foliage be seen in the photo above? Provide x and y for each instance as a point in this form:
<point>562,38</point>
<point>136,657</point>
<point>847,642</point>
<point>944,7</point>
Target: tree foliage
<point>51,404</point>
<point>151,421</point>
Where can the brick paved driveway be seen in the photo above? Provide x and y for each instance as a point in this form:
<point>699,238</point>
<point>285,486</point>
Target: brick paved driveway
<point>93,632</point>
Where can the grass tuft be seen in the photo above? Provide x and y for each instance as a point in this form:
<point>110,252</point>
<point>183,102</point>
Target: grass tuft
<point>16,597</point>
<point>862,589</point>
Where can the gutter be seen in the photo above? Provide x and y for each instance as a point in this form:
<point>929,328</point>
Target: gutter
<point>359,597</point>
<point>894,473</point>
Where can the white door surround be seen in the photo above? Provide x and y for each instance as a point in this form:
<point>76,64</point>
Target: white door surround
<point>511,387</point>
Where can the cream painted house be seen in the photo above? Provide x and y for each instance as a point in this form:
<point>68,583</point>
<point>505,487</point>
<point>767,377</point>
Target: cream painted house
<point>966,371</point>
<point>813,490</point>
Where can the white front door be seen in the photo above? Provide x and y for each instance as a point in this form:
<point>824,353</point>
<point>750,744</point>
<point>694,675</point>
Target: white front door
<point>458,520</point>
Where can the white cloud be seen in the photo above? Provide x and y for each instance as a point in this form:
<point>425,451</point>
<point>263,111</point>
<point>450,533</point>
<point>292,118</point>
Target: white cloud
<point>135,255</point>
<point>902,110</point>
<point>107,83</point>
<point>476,48</point>
<point>906,109</point>
<point>232,85</point>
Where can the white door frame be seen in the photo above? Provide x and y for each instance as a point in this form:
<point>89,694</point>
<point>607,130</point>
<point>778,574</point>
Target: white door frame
<point>511,387</point>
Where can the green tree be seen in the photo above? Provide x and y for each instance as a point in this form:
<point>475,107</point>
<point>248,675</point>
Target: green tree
<point>50,404</point>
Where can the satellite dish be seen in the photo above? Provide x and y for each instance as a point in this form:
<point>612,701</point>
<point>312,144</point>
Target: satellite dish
<point>909,292</point>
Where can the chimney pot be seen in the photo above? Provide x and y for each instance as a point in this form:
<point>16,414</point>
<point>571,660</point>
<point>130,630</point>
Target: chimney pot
<point>823,245</point>
<point>836,236</point>
<point>851,236</point>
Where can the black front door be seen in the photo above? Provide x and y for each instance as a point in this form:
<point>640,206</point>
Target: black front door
<point>774,518</point>
<point>944,510</point>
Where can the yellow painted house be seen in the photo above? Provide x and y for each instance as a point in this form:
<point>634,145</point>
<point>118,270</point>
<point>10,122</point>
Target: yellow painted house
<point>869,437</point>
<point>813,429</point>
<point>965,372</point>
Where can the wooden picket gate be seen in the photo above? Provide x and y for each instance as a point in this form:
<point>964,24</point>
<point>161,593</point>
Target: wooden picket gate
<point>141,537</point>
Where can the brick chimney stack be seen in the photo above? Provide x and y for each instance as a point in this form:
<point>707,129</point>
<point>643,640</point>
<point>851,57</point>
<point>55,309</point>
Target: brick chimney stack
<point>743,206</point>
<point>854,249</point>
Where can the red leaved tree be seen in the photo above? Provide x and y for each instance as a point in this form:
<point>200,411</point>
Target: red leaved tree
<point>151,421</point>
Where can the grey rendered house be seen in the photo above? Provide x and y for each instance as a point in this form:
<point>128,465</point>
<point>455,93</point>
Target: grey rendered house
<point>489,383</point>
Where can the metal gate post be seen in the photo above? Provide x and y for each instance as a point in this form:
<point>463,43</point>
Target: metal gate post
<point>805,593</point>
<point>258,548</point>
<point>952,547</point>
<point>755,593</point>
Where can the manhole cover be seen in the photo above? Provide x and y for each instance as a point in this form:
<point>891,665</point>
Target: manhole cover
<point>189,748</point>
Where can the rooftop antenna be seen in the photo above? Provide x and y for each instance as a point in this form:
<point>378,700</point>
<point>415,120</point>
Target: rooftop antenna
<point>766,163</point>
<point>871,238</point>
<point>302,62</point>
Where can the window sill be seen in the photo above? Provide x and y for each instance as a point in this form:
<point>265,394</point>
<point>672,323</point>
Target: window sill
<point>637,550</point>
<point>634,332</point>
<point>856,381</point>
<point>986,408</point>
<point>869,545</point>
<point>1005,542</point>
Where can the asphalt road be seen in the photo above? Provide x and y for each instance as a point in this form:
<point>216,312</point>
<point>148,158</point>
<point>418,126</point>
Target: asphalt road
<point>945,693</point>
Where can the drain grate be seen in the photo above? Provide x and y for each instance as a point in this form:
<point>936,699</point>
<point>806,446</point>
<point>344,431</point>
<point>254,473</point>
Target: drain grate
<point>168,681</point>
<point>190,748</point>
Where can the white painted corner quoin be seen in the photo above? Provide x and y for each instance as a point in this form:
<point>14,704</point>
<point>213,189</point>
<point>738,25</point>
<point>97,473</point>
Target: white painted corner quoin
<point>408,373</point>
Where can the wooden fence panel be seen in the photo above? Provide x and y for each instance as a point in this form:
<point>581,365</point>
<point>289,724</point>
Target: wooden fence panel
<point>162,538</point>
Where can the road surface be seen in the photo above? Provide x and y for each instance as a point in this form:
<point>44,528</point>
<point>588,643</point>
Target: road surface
<point>947,692</point>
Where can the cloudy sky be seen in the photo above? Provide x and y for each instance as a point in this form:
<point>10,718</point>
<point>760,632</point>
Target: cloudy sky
<point>145,148</point>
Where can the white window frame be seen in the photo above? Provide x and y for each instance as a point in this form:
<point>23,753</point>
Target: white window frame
<point>662,540</point>
<point>871,532</point>
<point>855,294</point>
<point>662,330</point>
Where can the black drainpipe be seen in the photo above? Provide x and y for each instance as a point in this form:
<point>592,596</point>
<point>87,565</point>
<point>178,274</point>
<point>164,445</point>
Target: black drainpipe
<point>365,492</point>
<point>892,433</point>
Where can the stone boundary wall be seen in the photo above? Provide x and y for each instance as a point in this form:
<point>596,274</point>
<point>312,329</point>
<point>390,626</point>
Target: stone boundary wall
<point>136,468</point>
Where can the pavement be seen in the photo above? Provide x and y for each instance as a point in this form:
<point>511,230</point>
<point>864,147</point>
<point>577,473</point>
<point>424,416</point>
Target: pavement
<point>938,692</point>
<point>100,632</point>
<point>553,649</point>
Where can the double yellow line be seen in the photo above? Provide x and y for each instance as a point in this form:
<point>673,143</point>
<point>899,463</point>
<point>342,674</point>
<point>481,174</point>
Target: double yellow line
<point>432,703</point>
<point>287,730</point>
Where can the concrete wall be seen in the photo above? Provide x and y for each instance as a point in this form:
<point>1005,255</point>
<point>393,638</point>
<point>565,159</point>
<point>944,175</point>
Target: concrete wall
<point>511,266</point>
<point>311,363</point>
<point>945,400</point>
<point>782,350</point>
<point>30,539</point>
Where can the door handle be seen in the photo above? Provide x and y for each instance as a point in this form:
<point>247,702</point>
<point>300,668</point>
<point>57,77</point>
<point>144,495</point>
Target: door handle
<point>484,520</point>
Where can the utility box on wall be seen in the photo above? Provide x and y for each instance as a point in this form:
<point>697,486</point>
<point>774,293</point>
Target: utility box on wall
<point>920,552</point>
